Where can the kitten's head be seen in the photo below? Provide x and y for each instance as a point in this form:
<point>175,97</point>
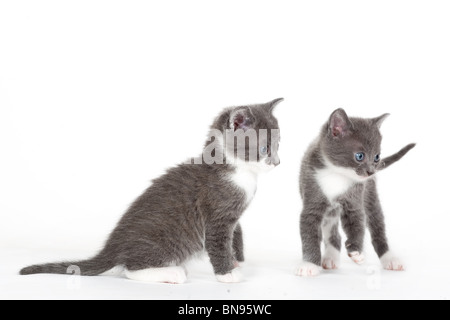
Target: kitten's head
<point>353,143</point>
<point>251,135</point>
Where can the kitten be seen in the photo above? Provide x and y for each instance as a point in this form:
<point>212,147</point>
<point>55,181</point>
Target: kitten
<point>193,207</point>
<point>337,180</point>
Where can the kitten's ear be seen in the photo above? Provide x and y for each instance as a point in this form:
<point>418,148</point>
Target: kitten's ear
<point>379,121</point>
<point>270,106</point>
<point>241,119</point>
<point>339,124</point>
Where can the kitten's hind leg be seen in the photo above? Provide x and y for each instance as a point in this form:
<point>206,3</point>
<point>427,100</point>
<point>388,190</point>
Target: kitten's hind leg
<point>332,256</point>
<point>353,223</point>
<point>114,272</point>
<point>173,275</point>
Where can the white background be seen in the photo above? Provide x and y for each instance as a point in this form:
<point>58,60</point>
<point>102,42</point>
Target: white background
<point>99,97</point>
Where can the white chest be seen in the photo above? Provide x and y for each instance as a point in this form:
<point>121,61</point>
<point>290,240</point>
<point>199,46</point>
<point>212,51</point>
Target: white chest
<point>246,180</point>
<point>333,184</point>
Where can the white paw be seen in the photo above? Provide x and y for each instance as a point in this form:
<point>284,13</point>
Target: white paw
<point>307,269</point>
<point>391,262</point>
<point>331,259</point>
<point>234,276</point>
<point>114,272</point>
<point>173,275</point>
<point>357,257</point>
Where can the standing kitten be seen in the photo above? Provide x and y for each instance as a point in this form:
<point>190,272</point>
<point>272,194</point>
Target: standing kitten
<point>337,181</point>
<point>194,206</point>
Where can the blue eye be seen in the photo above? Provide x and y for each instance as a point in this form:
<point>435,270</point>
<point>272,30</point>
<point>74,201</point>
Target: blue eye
<point>359,156</point>
<point>377,158</point>
<point>263,150</point>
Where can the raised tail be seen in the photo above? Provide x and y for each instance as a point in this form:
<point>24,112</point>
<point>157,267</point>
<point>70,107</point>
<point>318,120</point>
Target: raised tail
<point>395,157</point>
<point>91,267</point>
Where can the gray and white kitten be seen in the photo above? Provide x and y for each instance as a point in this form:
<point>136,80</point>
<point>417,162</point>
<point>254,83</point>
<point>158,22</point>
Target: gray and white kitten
<point>192,208</point>
<point>337,181</point>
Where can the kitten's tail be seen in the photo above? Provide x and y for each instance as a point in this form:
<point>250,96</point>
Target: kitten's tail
<point>395,157</point>
<point>92,267</point>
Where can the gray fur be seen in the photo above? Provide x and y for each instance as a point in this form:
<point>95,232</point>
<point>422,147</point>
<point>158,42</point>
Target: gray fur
<point>190,208</point>
<point>359,206</point>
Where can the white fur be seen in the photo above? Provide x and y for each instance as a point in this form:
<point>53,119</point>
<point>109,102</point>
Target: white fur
<point>234,276</point>
<point>327,225</point>
<point>307,269</point>
<point>246,180</point>
<point>331,258</point>
<point>391,262</point>
<point>357,257</point>
<point>174,275</point>
<point>114,272</point>
<point>246,174</point>
<point>335,181</point>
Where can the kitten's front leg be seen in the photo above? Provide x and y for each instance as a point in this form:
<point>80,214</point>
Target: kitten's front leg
<point>310,231</point>
<point>219,245</point>
<point>238,245</point>
<point>332,239</point>
<point>353,223</point>
<point>377,228</point>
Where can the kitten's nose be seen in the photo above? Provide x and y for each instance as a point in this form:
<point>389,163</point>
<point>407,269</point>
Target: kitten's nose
<point>275,160</point>
<point>370,173</point>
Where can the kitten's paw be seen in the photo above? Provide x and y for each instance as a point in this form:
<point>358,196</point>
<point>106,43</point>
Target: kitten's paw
<point>172,275</point>
<point>114,272</point>
<point>357,257</point>
<point>307,269</point>
<point>331,259</point>
<point>234,276</point>
<point>176,276</point>
<point>391,262</point>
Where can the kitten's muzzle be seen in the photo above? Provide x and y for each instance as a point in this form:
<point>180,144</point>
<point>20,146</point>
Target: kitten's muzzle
<point>274,160</point>
<point>370,173</point>
<point>366,172</point>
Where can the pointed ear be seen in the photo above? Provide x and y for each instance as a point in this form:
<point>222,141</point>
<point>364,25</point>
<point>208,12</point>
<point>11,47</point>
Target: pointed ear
<point>379,121</point>
<point>339,124</point>
<point>270,106</point>
<point>241,119</point>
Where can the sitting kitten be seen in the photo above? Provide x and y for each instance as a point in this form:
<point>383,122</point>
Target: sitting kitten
<point>337,181</point>
<point>191,208</point>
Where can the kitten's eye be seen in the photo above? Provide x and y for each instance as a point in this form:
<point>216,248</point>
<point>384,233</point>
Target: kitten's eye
<point>359,156</point>
<point>377,158</point>
<point>263,150</point>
